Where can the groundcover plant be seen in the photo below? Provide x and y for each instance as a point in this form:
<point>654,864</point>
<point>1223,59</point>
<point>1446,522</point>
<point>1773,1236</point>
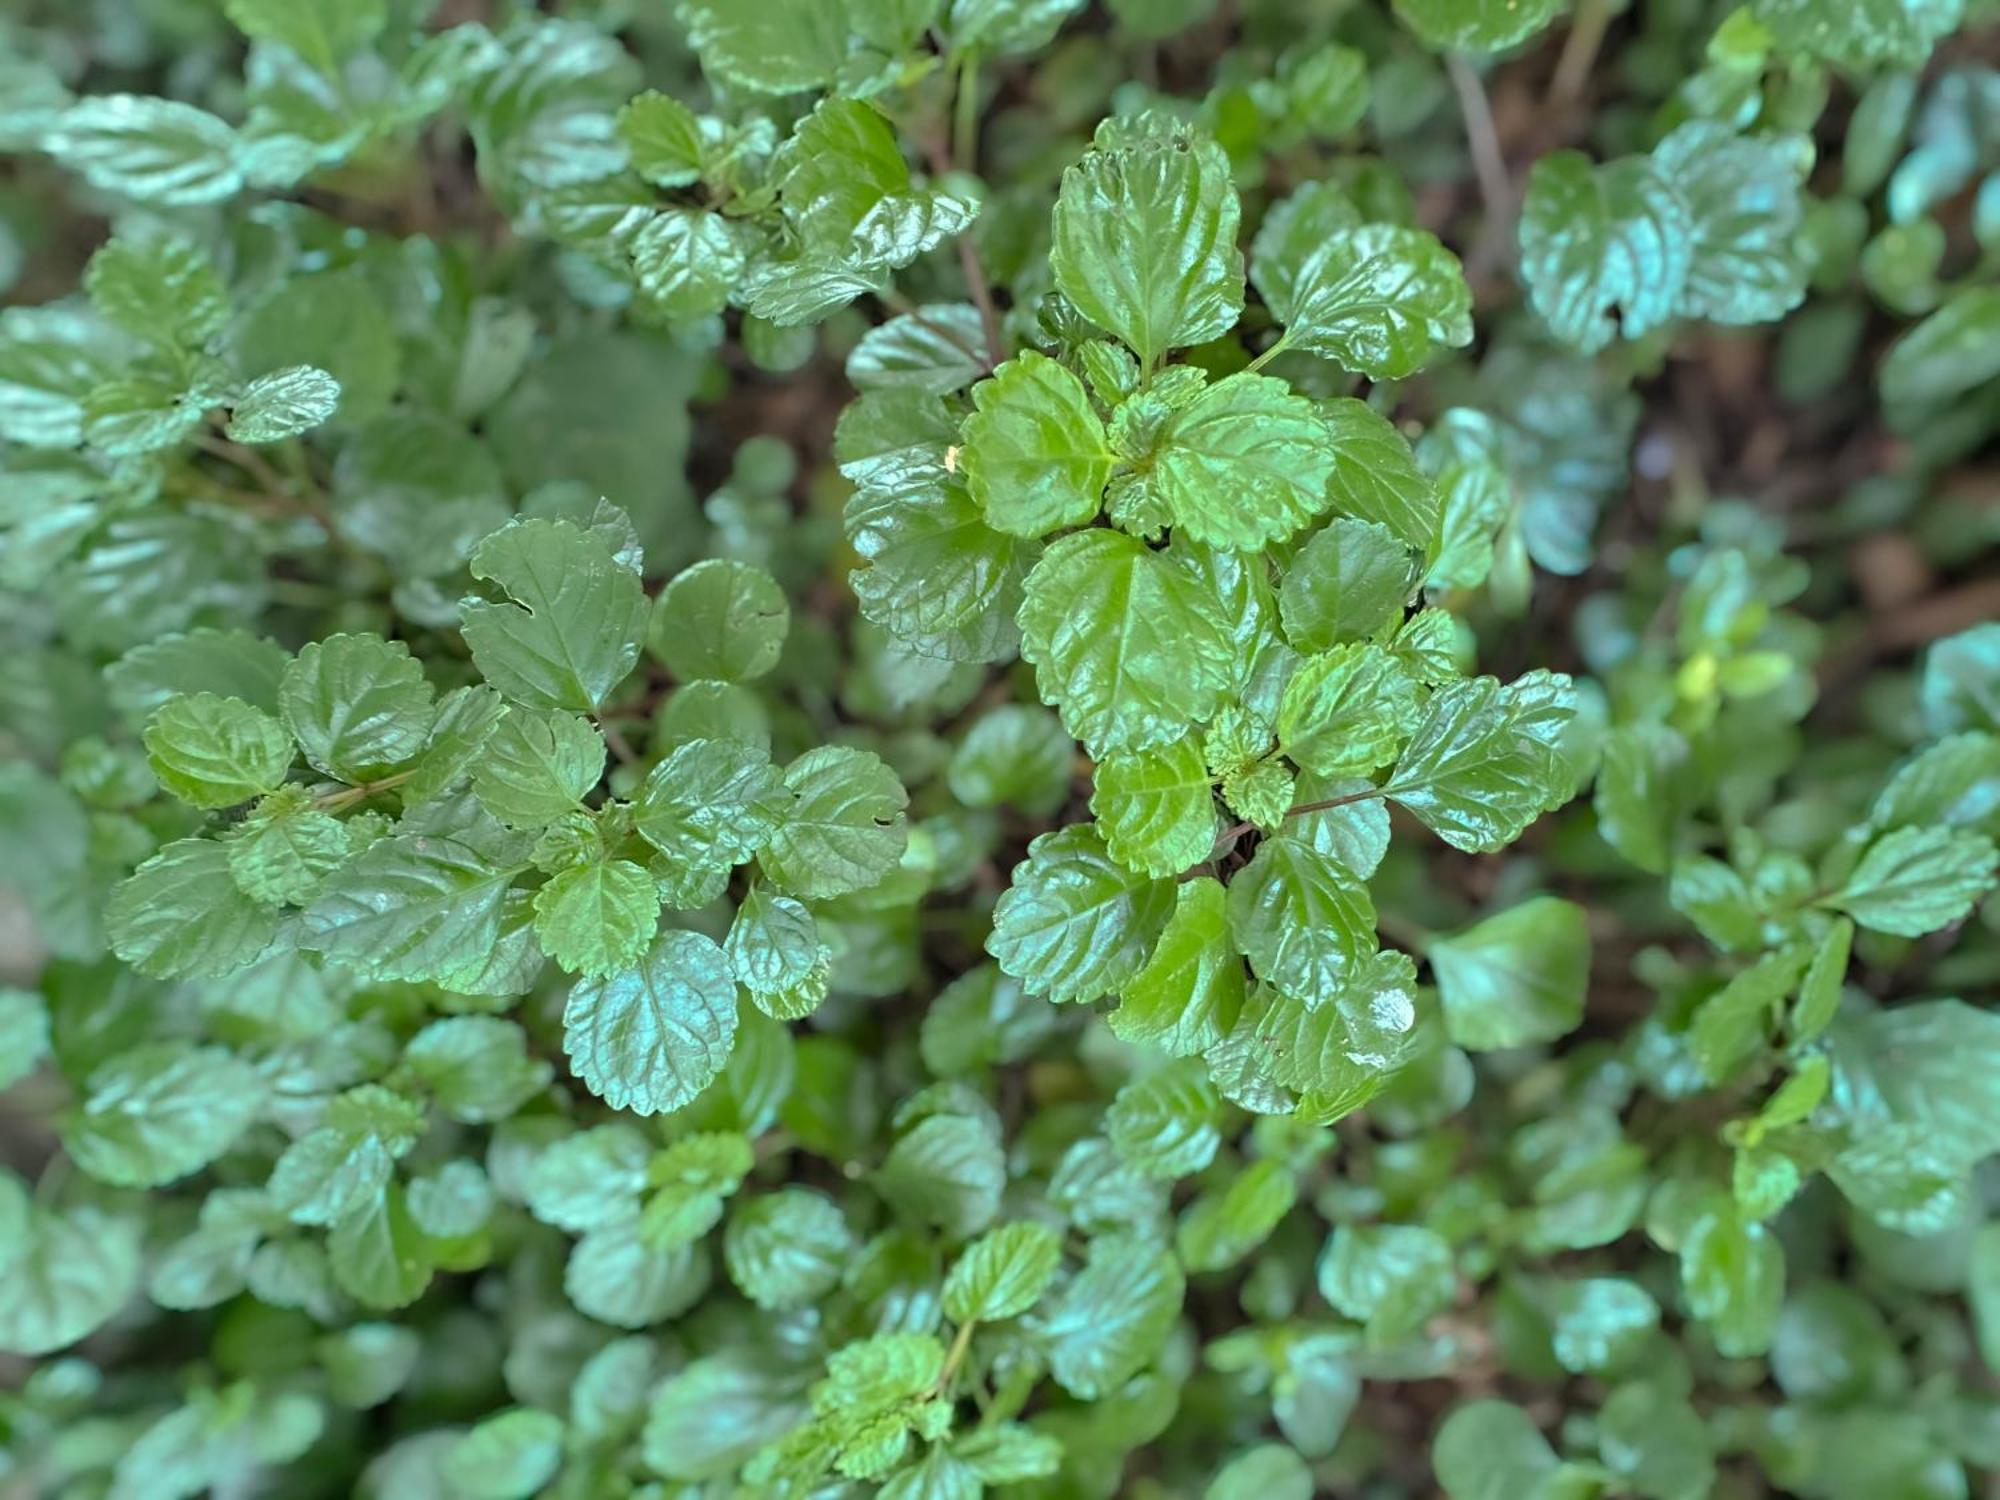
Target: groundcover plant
<point>822,748</point>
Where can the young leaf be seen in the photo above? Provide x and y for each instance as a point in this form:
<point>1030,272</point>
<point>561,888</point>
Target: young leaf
<point>1074,924</point>
<point>1035,455</point>
<point>1517,978</point>
<point>720,620</point>
<point>651,1037</point>
<point>1112,1319</point>
<point>1156,808</point>
<point>1145,241</point>
<point>1002,1273</point>
<point>1130,649</point>
<point>216,752</point>
<point>571,633</point>
<point>1481,763</point>
<point>1301,918</point>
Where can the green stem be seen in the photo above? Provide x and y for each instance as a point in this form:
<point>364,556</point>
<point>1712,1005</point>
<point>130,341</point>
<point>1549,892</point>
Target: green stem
<point>348,795</point>
<point>955,1355</point>
<point>965,116</point>
<point>1284,341</point>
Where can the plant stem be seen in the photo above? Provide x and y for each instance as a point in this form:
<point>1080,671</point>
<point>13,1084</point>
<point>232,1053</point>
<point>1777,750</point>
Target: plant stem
<point>1284,340</point>
<point>1297,810</point>
<point>965,158</point>
<point>620,746</point>
<point>1579,53</point>
<point>965,116</point>
<point>955,1355</point>
<point>348,795</point>
<point>1489,166</point>
<point>896,302</point>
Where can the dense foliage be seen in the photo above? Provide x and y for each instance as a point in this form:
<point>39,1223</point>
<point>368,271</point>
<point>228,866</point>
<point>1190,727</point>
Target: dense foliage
<point>1183,748</point>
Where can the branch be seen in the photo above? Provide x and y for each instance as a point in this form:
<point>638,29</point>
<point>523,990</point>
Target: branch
<point>1489,166</point>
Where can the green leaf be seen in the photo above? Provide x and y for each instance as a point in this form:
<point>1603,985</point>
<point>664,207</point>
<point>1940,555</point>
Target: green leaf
<point>358,705</point>
<point>843,829</point>
<point>286,847</point>
<point>477,1068</point>
<point>159,1112</point>
<point>1349,580</point>
<point>419,905</point>
<point>1378,299</point>
<point>1482,763</point>
<point>1193,987</point>
<point>1864,35</point>
<point>1375,475</point>
<point>1270,1471</point>
<point>665,138</point>
<point>938,349</point>
<point>711,803</point>
<point>535,767</point>
<point>1130,649</point>
<point>1342,1050</point>
<point>597,918</point>
<point>1820,990</point>
<point>1516,979</point>
<point>1009,27</point>
<point>152,150</point>
<point>378,1255</point>
<point>589,1179</point>
<point>1243,464</point>
<point>688,262</point>
<point>1599,240</point>
<point>788,1248</point>
<point>1073,924</point>
<point>778,955</point>
<point>181,916</point>
<point>1002,1274</point>
<point>1017,754</point>
<point>1164,1122</point>
<point>1392,1277</point>
<point>1035,458</point>
<point>1732,1022</point>
<point>652,1037</point>
<point>66,1274</point>
<point>1916,880</point>
<point>779,48</point>
<point>719,620</point>
<point>1225,1225</point>
<point>1156,808</point>
<point>711,1416</point>
<point>1145,241</point>
<point>1661,1448</point>
<point>1345,711</point>
<point>283,404</point>
<point>1476,26</point>
<point>1955,782</point>
<point>1113,1317</point>
<point>216,752</point>
<point>1734,1275</point>
<point>1743,195</point>
<point>227,663</point>
<point>164,289</point>
<point>936,575</point>
<point>24,1034</point>
<point>1491,1450</point>
<point>571,633</point>
<point>1600,1323</point>
<point>1949,353</point>
<point>948,1171</point>
<point>1301,918</point>
<point>508,1456</point>
<point>323,32</point>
